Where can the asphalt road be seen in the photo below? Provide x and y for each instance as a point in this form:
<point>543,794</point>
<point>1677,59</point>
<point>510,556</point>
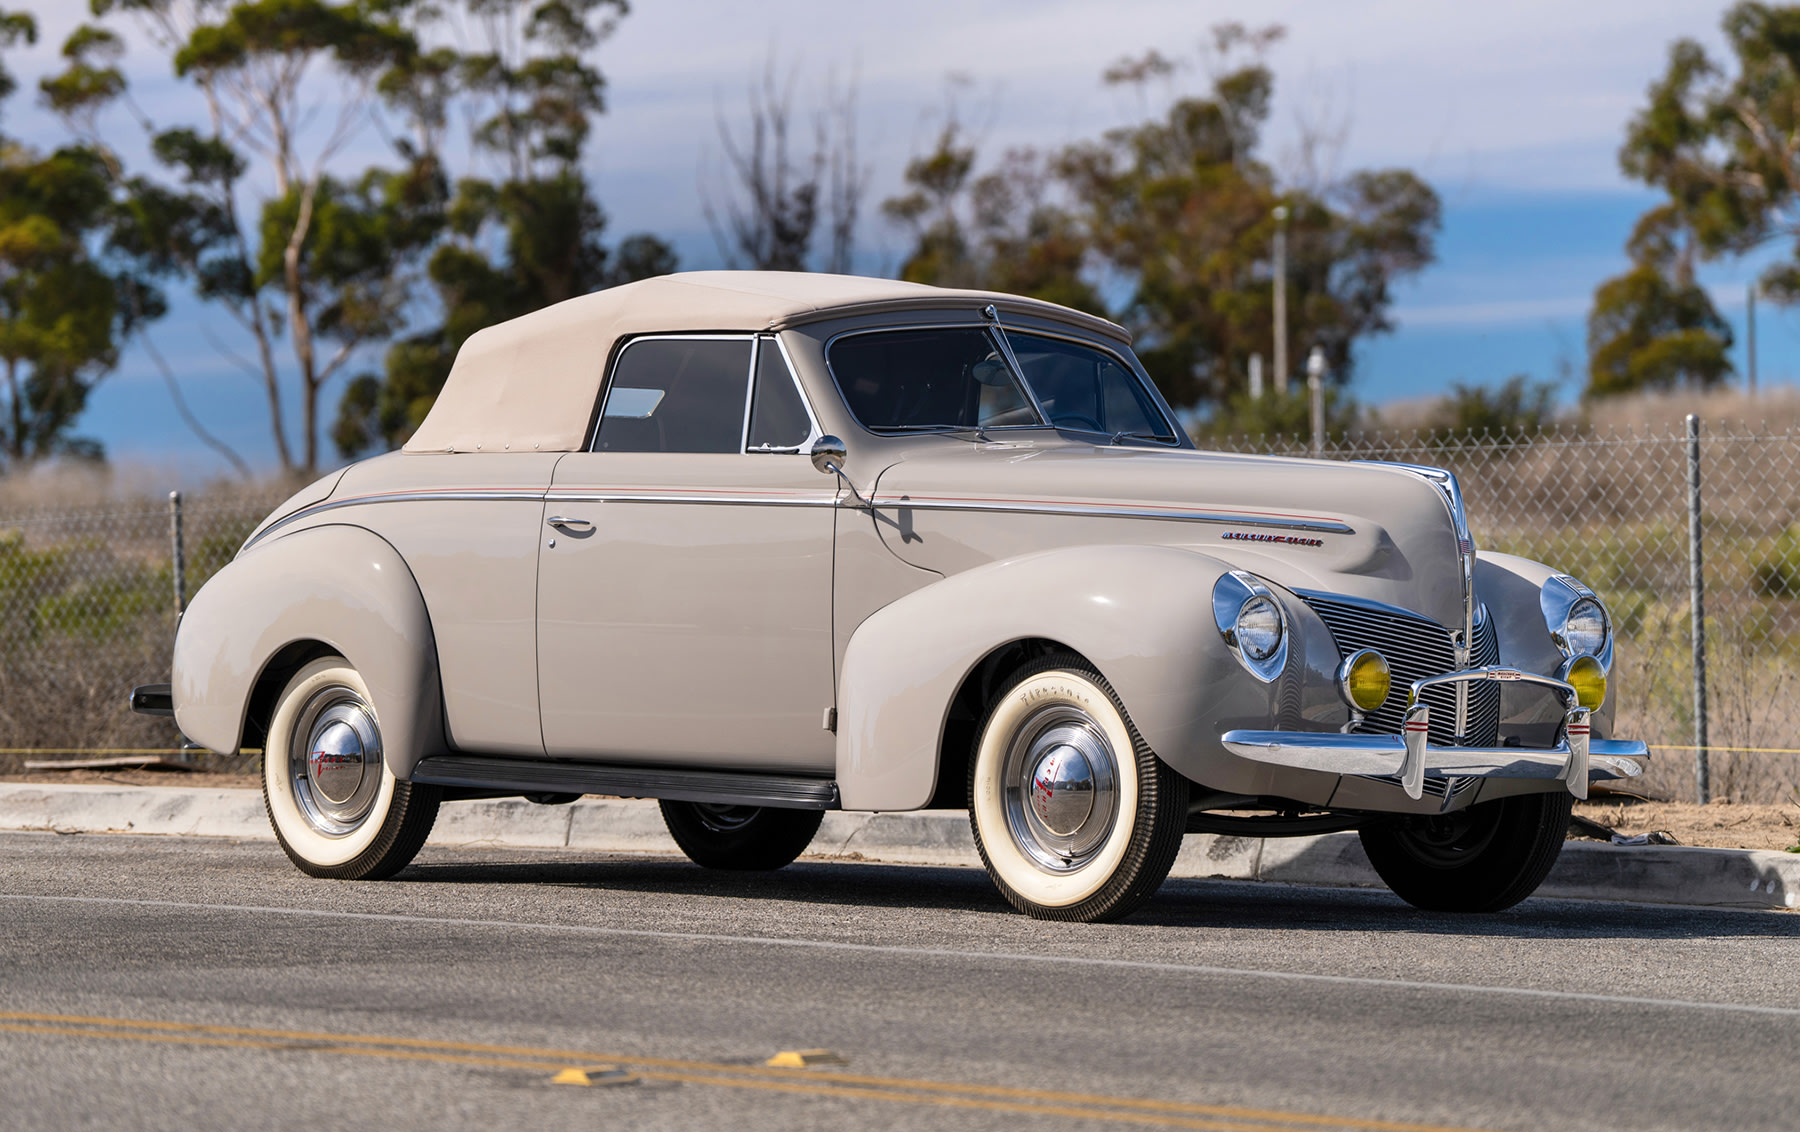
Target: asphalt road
<point>164,983</point>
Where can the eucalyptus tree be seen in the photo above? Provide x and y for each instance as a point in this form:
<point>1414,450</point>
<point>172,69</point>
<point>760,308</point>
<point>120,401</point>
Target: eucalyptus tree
<point>1177,214</point>
<point>248,205</point>
<point>67,300</point>
<point>522,228</point>
<point>1721,139</point>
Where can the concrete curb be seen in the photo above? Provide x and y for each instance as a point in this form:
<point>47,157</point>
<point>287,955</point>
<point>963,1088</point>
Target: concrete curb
<point>1740,878</point>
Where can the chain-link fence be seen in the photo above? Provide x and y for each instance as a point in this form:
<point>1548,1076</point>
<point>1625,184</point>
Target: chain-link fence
<point>87,610</point>
<point>87,605</point>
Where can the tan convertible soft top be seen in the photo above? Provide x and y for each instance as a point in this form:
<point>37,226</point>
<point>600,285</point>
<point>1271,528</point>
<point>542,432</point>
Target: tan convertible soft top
<point>530,384</point>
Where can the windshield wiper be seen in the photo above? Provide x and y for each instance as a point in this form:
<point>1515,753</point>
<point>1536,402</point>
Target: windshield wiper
<point>980,431</point>
<point>1118,436</point>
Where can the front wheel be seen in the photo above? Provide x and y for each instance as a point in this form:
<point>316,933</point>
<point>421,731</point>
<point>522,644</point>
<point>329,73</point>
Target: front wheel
<point>1075,817</point>
<point>1485,858</point>
<point>740,838</point>
<point>337,809</point>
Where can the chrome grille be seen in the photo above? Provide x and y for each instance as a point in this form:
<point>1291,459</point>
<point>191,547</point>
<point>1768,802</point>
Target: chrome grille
<point>1415,647</point>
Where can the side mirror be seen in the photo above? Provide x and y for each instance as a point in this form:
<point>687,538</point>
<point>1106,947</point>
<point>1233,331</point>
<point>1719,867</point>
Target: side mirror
<point>828,454</point>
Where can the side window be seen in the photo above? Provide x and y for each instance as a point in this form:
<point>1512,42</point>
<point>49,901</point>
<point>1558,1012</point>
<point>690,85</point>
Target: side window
<point>676,395</point>
<point>778,420</point>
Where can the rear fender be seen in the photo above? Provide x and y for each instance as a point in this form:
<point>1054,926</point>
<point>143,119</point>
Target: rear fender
<point>341,586</point>
<point>1142,615</point>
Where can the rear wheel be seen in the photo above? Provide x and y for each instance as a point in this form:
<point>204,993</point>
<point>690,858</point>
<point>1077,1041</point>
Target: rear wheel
<point>741,838</point>
<point>337,810</point>
<point>1075,817</point>
<point>1485,858</point>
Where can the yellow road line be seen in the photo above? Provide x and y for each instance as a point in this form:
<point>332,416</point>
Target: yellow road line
<point>811,1082</point>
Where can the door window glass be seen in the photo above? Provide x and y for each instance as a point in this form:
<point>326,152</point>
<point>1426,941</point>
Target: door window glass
<point>677,395</point>
<point>919,380</point>
<point>778,420</point>
<point>1085,388</point>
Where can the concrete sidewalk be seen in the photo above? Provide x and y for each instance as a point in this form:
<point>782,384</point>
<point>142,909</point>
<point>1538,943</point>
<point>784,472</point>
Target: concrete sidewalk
<point>1745,878</point>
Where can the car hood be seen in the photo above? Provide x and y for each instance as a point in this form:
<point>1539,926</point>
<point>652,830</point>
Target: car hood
<point>1374,531</point>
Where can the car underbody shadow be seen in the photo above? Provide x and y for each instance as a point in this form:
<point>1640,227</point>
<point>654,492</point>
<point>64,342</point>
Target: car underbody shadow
<point>1180,903</point>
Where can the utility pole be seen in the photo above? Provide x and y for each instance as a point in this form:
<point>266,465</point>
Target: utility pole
<point>1315,385</point>
<point>1750,332</point>
<point>1256,384</point>
<point>1281,335</point>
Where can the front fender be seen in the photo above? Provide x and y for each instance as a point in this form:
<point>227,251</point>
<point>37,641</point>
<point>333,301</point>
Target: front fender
<point>1509,585</point>
<point>1141,614</point>
<point>342,586</point>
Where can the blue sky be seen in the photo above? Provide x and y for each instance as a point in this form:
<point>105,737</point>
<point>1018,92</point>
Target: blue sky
<point>1514,112</point>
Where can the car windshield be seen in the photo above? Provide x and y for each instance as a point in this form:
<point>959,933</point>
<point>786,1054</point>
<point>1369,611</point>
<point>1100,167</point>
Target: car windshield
<point>945,378</point>
<point>949,378</point>
<point>1086,388</point>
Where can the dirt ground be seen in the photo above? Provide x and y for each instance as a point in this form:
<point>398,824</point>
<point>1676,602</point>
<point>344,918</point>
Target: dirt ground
<point>1719,826</point>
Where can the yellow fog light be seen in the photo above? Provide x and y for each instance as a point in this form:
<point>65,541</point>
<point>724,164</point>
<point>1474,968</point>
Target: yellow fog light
<point>1588,677</point>
<point>1364,680</point>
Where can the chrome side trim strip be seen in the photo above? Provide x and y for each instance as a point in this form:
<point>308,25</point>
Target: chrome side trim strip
<point>464,495</point>
<point>478,495</point>
<point>717,498</point>
<point>1118,511</point>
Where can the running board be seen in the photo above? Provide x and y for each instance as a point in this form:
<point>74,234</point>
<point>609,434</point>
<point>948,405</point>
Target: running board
<point>538,777</point>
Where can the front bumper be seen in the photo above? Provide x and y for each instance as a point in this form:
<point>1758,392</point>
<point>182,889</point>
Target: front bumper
<point>1576,760</point>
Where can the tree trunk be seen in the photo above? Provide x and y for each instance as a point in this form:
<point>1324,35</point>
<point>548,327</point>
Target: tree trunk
<point>301,329</point>
<point>15,444</point>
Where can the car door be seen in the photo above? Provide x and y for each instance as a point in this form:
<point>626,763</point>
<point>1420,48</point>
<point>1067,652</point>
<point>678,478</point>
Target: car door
<point>684,593</point>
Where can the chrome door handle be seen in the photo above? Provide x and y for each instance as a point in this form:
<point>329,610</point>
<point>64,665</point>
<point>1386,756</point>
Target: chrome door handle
<point>569,524</point>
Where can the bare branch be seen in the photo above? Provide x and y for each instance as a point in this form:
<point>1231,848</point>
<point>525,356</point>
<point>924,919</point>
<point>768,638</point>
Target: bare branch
<point>187,414</point>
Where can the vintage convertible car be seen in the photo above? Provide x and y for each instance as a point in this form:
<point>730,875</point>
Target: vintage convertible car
<point>627,553</point>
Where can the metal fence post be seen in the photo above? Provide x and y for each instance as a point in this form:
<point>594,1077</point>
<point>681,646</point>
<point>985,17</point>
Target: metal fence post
<point>179,553</point>
<point>1697,600</point>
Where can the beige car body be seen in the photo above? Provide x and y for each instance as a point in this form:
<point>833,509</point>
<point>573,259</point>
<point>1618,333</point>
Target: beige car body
<point>745,614</point>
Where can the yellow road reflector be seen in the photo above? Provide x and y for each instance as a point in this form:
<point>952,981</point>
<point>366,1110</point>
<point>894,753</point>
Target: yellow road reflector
<point>804,1058</point>
<point>593,1075</point>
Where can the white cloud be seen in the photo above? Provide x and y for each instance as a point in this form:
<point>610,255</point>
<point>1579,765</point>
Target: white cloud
<point>1531,94</point>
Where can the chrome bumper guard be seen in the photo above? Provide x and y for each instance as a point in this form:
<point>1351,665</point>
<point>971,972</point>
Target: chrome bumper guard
<point>1576,760</point>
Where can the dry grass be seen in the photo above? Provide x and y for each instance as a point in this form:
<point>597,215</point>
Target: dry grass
<point>1774,410</point>
<point>76,486</point>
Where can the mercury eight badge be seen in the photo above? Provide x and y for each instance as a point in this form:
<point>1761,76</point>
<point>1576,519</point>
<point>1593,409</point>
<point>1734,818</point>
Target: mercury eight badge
<point>762,545</point>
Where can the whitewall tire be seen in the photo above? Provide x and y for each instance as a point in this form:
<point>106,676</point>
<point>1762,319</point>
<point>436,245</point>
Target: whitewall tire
<point>1075,817</point>
<point>337,809</point>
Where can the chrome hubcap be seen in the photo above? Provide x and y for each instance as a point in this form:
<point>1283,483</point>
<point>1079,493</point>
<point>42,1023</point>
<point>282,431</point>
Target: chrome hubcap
<point>334,761</point>
<point>1062,788</point>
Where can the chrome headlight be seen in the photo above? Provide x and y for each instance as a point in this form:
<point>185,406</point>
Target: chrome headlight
<point>1577,621</point>
<point>1254,625</point>
<point>1258,629</point>
<point>1584,629</point>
